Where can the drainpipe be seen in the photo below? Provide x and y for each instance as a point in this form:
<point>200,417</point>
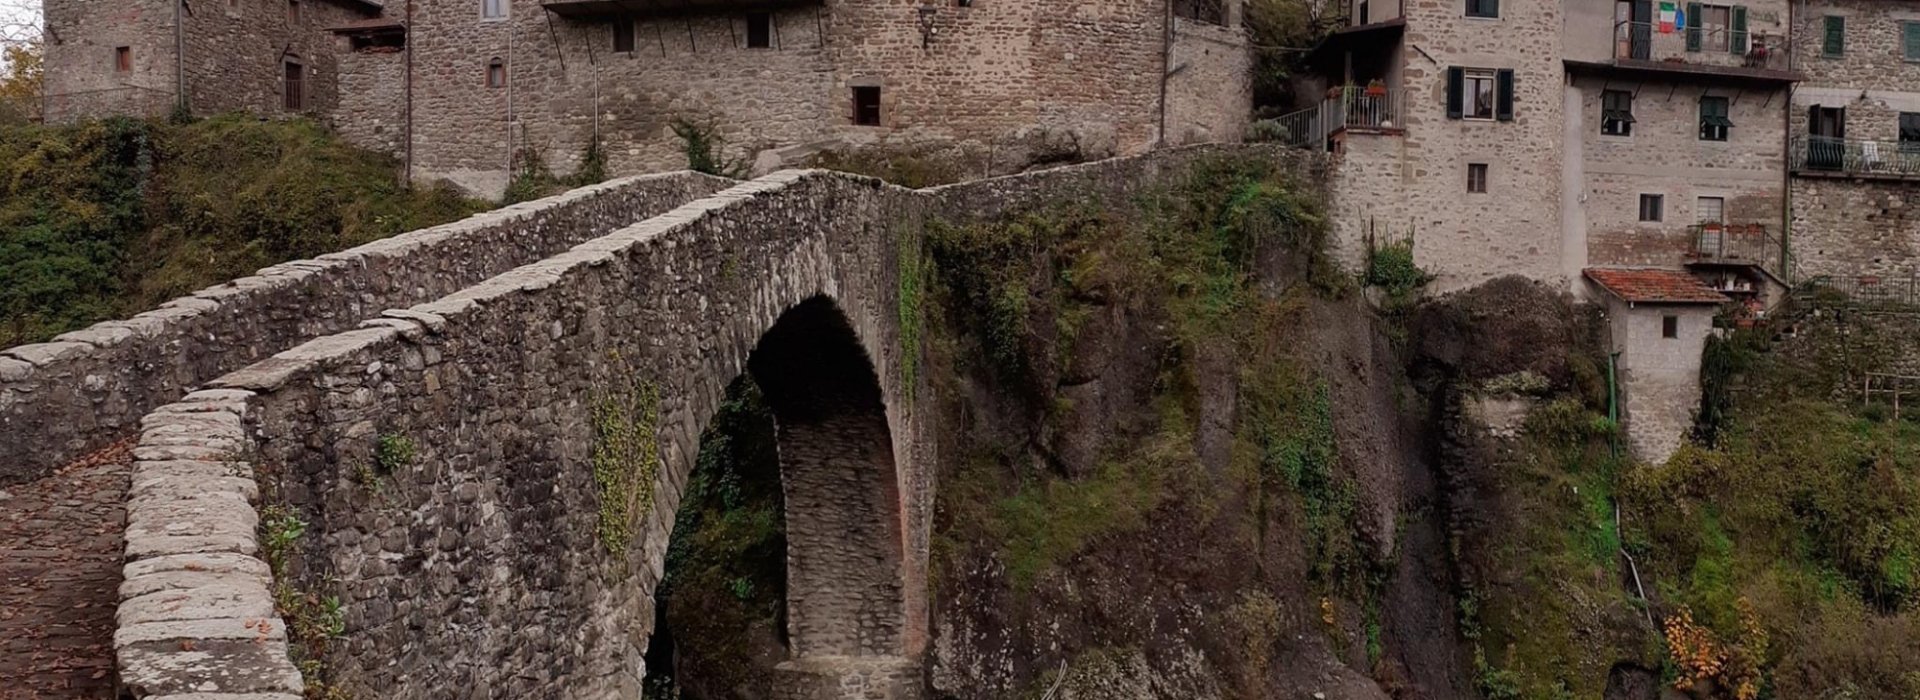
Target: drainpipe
<point>179,59</point>
<point>1166,71</point>
<point>1613,404</point>
<point>508,69</point>
<point>408,82</point>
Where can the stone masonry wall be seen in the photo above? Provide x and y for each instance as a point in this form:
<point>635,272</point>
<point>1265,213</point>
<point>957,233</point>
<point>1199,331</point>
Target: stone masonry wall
<point>475,569</point>
<point>81,78</point>
<point>371,111</point>
<point>1000,75</point>
<point>1516,229</point>
<point>237,49</point>
<point>1660,376</point>
<point>84,389</point>
<point>1848,228</point>
<point>1664,155</point>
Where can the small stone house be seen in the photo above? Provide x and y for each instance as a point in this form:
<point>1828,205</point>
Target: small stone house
<point>1658,321</point>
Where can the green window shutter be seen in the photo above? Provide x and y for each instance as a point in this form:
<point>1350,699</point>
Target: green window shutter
<point>1737,43</point>
<point>1834,41</point>
<point>1503,96</point>
<point>1910,40</point>
<point>1693,26</point>
<point>1455,84</point>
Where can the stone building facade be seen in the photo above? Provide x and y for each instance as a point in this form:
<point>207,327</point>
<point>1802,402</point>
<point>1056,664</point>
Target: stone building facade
<point>1854,136</point>
<point>144,57</point>
<point>1553,138</point>
<point>474,90</point>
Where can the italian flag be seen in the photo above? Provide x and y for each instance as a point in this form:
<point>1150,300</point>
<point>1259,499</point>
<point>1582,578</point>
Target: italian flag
<point>1669,17</point>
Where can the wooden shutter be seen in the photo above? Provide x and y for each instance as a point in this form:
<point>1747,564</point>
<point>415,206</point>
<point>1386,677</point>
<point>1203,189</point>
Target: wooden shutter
<point>1455,78</point>
<point>1503,96</point>
<point>1737,43</point>
<point>1910,40</point>
<point>1693,26</point>
<point>1834,42</point>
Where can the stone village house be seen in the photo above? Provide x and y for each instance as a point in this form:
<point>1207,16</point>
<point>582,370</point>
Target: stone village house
<point>1658,161</point>
<point>468,89</point>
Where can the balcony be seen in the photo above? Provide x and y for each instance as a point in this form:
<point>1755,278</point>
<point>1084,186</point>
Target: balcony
<point>1734,245</point>
<point>600,9</point>
<point>1825,156</point>
<point>1351,108</point>
<point>1707,53</point>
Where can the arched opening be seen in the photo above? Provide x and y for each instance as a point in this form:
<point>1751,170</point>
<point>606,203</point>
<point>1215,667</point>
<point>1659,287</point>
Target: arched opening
<point>794,489</point>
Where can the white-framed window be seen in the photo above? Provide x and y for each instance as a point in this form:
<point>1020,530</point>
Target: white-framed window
<point>1477,94</point>
<point>1477,178</point>
<point>1710,210</point>
<point>493,9</point>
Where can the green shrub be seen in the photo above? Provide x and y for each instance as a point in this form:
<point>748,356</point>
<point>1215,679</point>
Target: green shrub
<point>706,149</point>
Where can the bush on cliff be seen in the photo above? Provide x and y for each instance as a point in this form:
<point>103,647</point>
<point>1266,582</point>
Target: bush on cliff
<point>105,219</point>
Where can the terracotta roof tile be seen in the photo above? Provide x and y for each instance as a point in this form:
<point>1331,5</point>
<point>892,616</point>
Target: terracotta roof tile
<point>1654,286</point>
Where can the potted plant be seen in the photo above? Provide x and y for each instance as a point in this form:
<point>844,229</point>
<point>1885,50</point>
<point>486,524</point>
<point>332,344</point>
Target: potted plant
<point>1375,88</point>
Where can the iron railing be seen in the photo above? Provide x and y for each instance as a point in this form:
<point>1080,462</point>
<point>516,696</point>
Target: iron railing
<point>1855,156</point>
<point>1718,47</point>
<point>1735,244</point>
<point>1346,107</point>
<point>1882,292</point>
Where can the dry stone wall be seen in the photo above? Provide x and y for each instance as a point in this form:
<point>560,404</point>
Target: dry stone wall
<point>483,566</point>
<point>87,388</point>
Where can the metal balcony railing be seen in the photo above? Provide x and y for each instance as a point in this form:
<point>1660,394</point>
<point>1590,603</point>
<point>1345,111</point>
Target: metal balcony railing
<point>1857,157</point>
<point>1871,292</point>
<point>1735,244</point>
<point>1701,47</point>
<point>1345,107</point>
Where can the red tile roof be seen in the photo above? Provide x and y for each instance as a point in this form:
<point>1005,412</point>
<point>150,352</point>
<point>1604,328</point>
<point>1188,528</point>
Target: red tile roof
<point>1654,286</point>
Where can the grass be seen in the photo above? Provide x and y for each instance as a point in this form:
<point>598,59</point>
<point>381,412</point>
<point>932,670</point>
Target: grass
<point>105,219</point>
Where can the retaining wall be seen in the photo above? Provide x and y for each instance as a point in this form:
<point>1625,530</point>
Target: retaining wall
<point>84,389</point>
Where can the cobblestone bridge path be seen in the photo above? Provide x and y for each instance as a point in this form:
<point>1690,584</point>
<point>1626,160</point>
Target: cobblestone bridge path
<point>60,551</point>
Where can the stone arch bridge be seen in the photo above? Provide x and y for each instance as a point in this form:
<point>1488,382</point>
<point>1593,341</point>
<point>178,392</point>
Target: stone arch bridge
<point>471,497</point>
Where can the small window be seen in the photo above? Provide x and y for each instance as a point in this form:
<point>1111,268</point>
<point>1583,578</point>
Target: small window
<point>293,93</point>
<point>1910,40</point>
<point>866,105</point>
<point>496,73</point>
<point>623,35</point>
<point>493,9</point>
<point>963,3</point>
<point>1669,326</point>
<point>1711,29</point>
<point>122,59</point>
<point>760,30</point>
<point>1478,94</point>
<point>1650,206</point>
<point>1833,41</point>
<point>1711,210</point>
<point>1483,8</point>
<point>1910,131</point>
<point>1713,118</point>
<point>293,11</point>
<point>1477,177</point>
<point>1616,113</point>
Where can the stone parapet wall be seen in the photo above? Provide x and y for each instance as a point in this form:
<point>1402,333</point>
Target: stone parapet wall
<point>84,389</point>
<point>1849,228</point>
<point>491,541</point>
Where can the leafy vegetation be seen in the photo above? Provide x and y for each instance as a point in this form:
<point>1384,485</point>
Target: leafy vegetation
<point>706,149</point>
<point>106,219</point>
<point>313,620</point>
<point>626,453</point>
<point>722,603</point>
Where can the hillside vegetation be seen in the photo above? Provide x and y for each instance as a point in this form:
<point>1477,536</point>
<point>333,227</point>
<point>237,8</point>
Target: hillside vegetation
<point>105,219</point>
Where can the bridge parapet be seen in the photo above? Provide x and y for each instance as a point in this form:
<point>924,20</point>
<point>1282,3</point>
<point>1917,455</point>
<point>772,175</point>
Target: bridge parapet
<point>85,389</point>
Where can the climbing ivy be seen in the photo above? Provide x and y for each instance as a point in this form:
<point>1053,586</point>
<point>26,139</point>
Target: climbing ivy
<point>626,454</point>
<point>912,307</point>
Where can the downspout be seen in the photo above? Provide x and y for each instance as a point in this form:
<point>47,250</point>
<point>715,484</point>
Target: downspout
<point>1166,72</point>
<point>179,59</point>
<point>509,70</point>
<point>408,82</point>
